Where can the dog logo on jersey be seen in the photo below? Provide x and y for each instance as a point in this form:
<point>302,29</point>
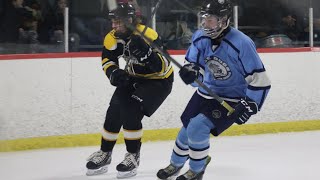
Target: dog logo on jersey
<point>219,69</point>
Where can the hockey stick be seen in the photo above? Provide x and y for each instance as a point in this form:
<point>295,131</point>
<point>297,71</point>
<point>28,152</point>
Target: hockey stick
<point>168,57</point>
<point>152,14</point>
<point>200,84</point>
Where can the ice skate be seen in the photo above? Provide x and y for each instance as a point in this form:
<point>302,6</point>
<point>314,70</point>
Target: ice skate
<point>98,163</point>
<point>128,167</point>
<point>190,175</point>
<point>169,173</point>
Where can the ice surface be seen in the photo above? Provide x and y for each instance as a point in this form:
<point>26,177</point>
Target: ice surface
<point>285,156</point>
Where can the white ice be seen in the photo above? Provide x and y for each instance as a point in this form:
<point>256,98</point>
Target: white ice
<point>285,156</point>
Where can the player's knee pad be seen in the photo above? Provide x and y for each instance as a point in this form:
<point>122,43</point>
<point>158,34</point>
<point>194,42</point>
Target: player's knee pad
<point>199,129</point>
<point>131,115</point>
<point>112,121</point>
<point>182,138</point>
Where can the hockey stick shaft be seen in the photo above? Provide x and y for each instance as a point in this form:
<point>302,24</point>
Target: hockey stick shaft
<point>168,57</point>
<point>152,14</point>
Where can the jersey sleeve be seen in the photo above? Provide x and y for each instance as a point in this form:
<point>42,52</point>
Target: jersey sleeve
<point>109,60</point>
<point>156,65</point>
<point>255,74</point>
<point>194,54</point>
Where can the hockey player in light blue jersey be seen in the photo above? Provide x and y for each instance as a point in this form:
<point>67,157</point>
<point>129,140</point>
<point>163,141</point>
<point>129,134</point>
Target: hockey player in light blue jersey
<point>226,61</point>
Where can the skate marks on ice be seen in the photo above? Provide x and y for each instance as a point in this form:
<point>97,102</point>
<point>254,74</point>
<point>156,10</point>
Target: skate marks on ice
<point>70,163</point>
<point>293,156</point>
<point>108,176</point>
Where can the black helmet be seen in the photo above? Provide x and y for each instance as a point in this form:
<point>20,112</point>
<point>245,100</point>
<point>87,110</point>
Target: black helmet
<point>215,17</point>
<point>123,10</point>
<point>216,7</point>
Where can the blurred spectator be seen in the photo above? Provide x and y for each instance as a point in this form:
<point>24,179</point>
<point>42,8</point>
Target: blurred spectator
<point>19,23</point>
<point>290,25</point>
<point>52,28</point>
<point>316,25</point>
<point>185,34</point>
<point>286,20</point>
<point>2,9</point>
<point>3,6</point>
<point>180,38</point>
<point>28,34</point>
<point>89,21</point>
<point>316,31</point>
<point>35,7</point>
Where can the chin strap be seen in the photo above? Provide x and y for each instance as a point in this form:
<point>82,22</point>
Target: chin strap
<point>223,33</point>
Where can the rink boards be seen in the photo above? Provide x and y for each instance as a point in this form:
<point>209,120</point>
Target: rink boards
<point>59,100</point>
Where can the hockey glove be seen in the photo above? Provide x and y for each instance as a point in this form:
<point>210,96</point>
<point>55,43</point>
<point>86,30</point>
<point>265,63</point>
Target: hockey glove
<point>139,48</point>
<point>119,78</point>
<point>244,110</point>
<point>189,73</point>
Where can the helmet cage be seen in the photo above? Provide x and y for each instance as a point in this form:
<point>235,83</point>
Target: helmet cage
<point>215,17</point>
<point>213,25</point>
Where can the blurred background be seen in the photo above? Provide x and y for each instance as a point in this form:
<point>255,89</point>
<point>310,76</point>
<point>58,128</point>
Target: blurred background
<point>48,26</point>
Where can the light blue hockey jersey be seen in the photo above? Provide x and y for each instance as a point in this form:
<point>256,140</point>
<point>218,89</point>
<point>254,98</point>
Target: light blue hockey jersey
<point>232,69</point>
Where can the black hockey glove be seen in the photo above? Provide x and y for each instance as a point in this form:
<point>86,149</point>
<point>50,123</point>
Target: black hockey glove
<point>244,110</point>
<point>139,48</point>
<point>119,78</point>
<point>189,73</point>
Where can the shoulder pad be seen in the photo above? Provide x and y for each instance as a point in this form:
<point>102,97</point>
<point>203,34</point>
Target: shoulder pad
<point>110,41</point>
<point>149,33</point>
<point>198,35</point>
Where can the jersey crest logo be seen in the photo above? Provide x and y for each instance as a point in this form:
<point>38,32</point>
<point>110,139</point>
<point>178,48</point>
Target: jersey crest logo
<point>216,114</point>
<point>219,69</point>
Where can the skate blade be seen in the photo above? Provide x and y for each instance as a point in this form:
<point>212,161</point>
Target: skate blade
<point>101,170</point>
<point>170,178</point>
<point>126,174</point>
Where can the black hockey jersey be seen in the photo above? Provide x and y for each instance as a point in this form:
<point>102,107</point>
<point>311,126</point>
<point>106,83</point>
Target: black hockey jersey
<point>115,48</point>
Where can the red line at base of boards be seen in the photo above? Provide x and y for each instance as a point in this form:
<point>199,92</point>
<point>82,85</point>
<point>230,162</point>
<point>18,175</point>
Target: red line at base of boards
<point>171,52</point>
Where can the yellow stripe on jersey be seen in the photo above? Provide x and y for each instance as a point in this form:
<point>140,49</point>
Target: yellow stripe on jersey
<point>132,134</point>
<point>106,64</point>
<point>150,33</point>
<point>156,75</point>
<point>165,72</point>
<point>110,41</point>
<point>169,72</point>
<point>104,61</point>
<point>163,68</point>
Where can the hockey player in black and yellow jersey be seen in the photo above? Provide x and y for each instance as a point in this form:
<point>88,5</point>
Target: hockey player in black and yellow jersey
<point>142,86</point>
